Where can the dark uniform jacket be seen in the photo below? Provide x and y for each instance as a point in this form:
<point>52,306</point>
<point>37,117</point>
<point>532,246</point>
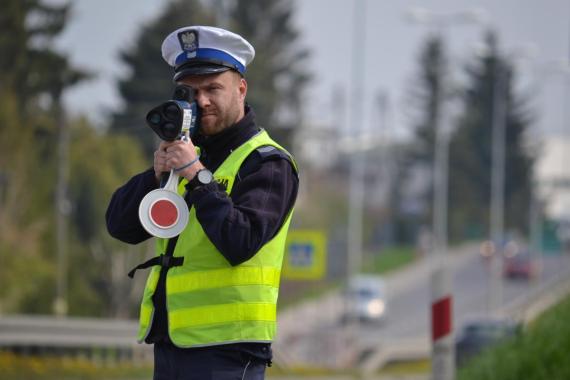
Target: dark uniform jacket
<point>238,225</point>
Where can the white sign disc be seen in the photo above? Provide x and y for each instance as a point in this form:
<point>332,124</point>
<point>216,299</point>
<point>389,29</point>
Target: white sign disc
<point>163,212</point>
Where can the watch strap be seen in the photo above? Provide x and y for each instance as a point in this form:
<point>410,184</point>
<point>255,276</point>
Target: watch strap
<point>195,183</point>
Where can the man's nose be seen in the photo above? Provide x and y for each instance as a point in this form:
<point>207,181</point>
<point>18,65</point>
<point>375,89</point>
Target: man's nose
<point>202,100</point>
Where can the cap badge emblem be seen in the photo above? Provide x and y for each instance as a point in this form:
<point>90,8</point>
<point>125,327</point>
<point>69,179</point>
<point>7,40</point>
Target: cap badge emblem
<point>188,40</point>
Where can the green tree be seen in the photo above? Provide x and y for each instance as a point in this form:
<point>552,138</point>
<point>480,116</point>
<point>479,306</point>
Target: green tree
<point>29,65</point>
<point>102,287</point>
<point>277,77</point>
<point>471,147</point>
<point>22,225</point>
<point>33,77</point>
<point>149,81</point>
<point>426,97</point>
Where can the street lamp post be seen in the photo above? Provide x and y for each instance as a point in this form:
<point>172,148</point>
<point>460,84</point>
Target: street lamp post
<point>357,162</point>
<point>498,164</point>
<point>443,362</point>
<point>63,209</point>
<point>498,185</point>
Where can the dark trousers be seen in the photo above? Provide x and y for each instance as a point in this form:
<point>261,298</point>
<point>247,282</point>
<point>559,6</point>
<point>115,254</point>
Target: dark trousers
<point>226,362</point>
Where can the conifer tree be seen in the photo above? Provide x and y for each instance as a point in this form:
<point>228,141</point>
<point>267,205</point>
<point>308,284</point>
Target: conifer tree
<point>29,65</point>
<point>278,75</point>
<point>471,149</point>
<point>428,93</point>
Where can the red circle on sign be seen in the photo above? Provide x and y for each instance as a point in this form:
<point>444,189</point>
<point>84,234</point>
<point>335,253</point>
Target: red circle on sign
<point>164,213</point>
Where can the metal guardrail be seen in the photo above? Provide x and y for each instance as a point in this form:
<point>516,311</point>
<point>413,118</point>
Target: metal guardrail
<point>402,350</point>
<point>66,332</point>
<point>541,297</point>
<point>88,337</point>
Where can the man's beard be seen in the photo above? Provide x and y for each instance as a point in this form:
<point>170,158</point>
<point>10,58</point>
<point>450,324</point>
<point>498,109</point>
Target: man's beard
<point>222,121</point>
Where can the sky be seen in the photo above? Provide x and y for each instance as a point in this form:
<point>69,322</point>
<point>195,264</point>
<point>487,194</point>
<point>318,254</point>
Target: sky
<point>378,56</point>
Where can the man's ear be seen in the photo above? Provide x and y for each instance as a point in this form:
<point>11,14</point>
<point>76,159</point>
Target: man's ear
<point>242,88</point>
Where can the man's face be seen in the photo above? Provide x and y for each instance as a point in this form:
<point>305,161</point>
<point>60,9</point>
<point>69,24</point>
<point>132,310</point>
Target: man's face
<point>221,98</point>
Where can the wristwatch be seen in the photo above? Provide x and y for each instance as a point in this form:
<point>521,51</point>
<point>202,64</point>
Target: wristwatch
<point>202,178</point>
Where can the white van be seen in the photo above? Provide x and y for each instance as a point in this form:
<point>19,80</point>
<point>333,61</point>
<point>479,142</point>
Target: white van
<point>366,299</point>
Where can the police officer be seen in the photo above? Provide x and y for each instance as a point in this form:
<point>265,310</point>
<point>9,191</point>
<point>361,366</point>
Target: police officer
<point>210,310</point>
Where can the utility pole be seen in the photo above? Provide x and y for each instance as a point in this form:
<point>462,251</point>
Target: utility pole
<point>382,106</point>
<point>63,209</point>
<point>357,162</point>
<point>443,356</point>
<point>498,186</point>
<point>498,170</point>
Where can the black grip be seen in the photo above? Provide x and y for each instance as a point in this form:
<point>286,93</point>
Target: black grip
<point>164,178</point>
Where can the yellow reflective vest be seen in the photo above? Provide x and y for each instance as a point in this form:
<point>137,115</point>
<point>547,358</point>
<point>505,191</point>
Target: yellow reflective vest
<point>208,301</point>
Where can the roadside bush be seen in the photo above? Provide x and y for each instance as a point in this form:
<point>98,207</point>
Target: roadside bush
<point>540,353</point>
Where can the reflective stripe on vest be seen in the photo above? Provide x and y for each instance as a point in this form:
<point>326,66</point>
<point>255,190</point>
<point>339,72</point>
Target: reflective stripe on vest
<point>210,302</point>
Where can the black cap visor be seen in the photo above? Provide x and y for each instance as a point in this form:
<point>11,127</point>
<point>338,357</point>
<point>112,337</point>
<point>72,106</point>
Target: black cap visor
<point>201,67</point>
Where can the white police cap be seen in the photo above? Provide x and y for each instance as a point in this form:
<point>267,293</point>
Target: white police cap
<point>199,50</point>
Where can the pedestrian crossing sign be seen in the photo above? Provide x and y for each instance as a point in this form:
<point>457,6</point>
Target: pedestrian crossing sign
<point>305,255</point>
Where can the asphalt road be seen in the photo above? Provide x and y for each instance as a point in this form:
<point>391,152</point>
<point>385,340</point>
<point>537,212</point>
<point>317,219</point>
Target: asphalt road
<point>313,335</point>
<point>409,311</point>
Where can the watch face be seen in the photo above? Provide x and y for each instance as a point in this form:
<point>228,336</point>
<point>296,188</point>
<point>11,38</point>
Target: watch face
<point>205,176</point>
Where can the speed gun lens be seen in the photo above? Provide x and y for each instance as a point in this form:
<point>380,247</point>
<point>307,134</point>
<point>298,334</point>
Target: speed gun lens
<point>155,118</point>
<point>171,112</point>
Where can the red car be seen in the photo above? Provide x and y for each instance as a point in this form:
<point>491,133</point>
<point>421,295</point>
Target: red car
<point>522,265</point>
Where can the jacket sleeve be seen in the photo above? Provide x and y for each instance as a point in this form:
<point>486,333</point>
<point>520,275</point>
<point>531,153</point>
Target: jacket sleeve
<point>122,214</point>
<point>262,197</point>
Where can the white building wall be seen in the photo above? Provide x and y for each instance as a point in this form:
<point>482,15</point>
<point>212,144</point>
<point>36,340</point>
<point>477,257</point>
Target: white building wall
<point>553,176</point>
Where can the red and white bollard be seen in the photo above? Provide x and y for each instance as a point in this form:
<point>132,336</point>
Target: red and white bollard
<point>443,358</point>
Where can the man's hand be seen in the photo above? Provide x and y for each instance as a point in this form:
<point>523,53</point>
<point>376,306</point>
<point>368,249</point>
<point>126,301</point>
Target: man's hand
<point>176,154</point>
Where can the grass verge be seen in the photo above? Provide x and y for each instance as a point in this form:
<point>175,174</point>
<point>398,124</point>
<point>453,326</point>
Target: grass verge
<point>390,259</point>
<point>14,367</point>
<point>540,353</point>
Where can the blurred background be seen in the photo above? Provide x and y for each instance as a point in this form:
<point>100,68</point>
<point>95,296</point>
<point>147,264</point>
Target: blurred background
<point>431,139</point>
